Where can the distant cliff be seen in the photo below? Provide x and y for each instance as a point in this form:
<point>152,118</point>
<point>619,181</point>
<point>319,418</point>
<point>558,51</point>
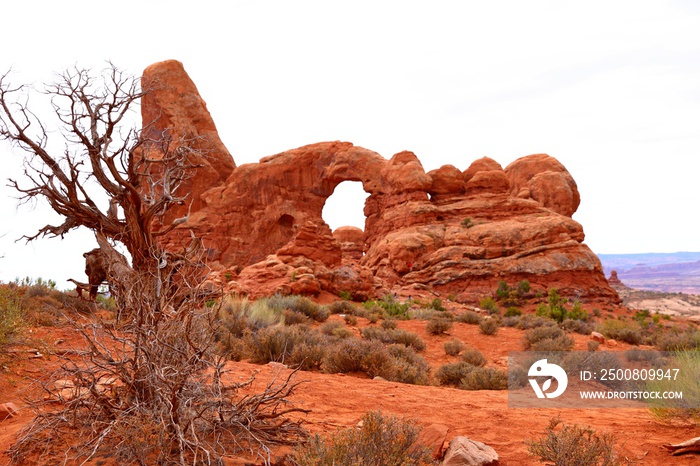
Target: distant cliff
<point>670,272</point>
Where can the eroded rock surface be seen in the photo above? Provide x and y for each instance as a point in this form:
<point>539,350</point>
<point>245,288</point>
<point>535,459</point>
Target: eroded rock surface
<point>446,230</point>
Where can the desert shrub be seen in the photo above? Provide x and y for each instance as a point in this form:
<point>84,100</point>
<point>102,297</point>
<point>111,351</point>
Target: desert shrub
<point>11,312</point>
<point>592,345</point>
<point>469,317</point>
<point>408,367</point>
<point>356,355</point>
<point>350,319</point>
<point>373,318</point>
<point>550,338</point>
<point>299,304</point>
<point>578,326</point>
<point>290,317</point>
<point>260,314</point>
<point>383,440</point>
<point>274,343</point>
<point>488,326</point>
<point>622,331</point>
<point>517,377</point>
<point>453,373</point>
<point>436,304</point>
<point>529,321</point>
<point>391,307</point>
<point>389,324</point>
<point>345,295</point>
<point>335,329</point>
<point>394,336</point>
<point>512,312</point>
<point>474,357</point>
<point>308,352</point>
<point>679,341</point>
<point>342,307</point>
<point>510,321</point>
<point>573,445</point>
<point>488,304</point>
<point>453,347</point>
<point>328,327</point>
<point>685,409</point>
<point>438,326</point>
<point>484,378</point>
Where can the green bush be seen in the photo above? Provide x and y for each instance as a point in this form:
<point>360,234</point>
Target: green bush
<point>488,326</point>
<point>474,357</point>
<point>484,378</point>
<point>438,326</point>
<point>453,347</point>
<point>488,304</point>
<point>383,440</point>
<point>550,338</point>
<point>391,307</point>
<point>512,312</point>
<point>566,445</point>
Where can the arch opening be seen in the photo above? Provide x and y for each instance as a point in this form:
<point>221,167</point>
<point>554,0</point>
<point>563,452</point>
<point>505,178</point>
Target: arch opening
<point>345,207</point>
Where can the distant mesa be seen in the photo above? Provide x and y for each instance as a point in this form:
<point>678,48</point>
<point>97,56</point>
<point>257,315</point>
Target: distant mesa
<point>448,231</point>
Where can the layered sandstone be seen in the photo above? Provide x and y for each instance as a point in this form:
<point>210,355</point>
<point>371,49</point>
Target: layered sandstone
<point>449,231</point>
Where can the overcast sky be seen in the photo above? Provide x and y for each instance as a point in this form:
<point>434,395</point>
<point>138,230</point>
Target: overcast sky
<point>610,88</point>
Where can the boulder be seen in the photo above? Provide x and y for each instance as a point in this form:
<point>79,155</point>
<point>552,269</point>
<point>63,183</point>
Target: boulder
<point>463,451</point>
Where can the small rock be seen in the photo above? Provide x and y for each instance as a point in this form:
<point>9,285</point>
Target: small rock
<point>611,343</point>
<point>379,378</point>
<point>7,410</point>
<point>277,365</point>
<point>595,336</point>
<point>463,451</point>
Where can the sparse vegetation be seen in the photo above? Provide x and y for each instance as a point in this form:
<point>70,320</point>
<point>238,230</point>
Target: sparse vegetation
<point>488,326</point>
<point>469,317</point>
<point>394,336</point>
<point>629,332</point>
<point>484,378</point>
<point>474,357</point>
<point>453,373</point>
<point>573,445</point>
<point>549,338</point>
<point>688,364</point>
<point>438,326</point>
<point>453,347</point>
<point>383,440</point>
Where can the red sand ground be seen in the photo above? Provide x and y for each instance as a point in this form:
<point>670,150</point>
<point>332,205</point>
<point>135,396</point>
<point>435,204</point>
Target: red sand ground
<point>339,401</point>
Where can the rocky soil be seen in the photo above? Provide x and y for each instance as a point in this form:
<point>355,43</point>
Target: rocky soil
<point>340,400</point>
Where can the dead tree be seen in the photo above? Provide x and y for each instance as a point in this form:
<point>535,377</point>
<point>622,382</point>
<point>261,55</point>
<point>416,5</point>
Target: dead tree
<point>119,183</point>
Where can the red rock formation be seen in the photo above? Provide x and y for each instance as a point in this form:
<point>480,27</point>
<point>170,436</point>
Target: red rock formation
<point>445,230</point>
